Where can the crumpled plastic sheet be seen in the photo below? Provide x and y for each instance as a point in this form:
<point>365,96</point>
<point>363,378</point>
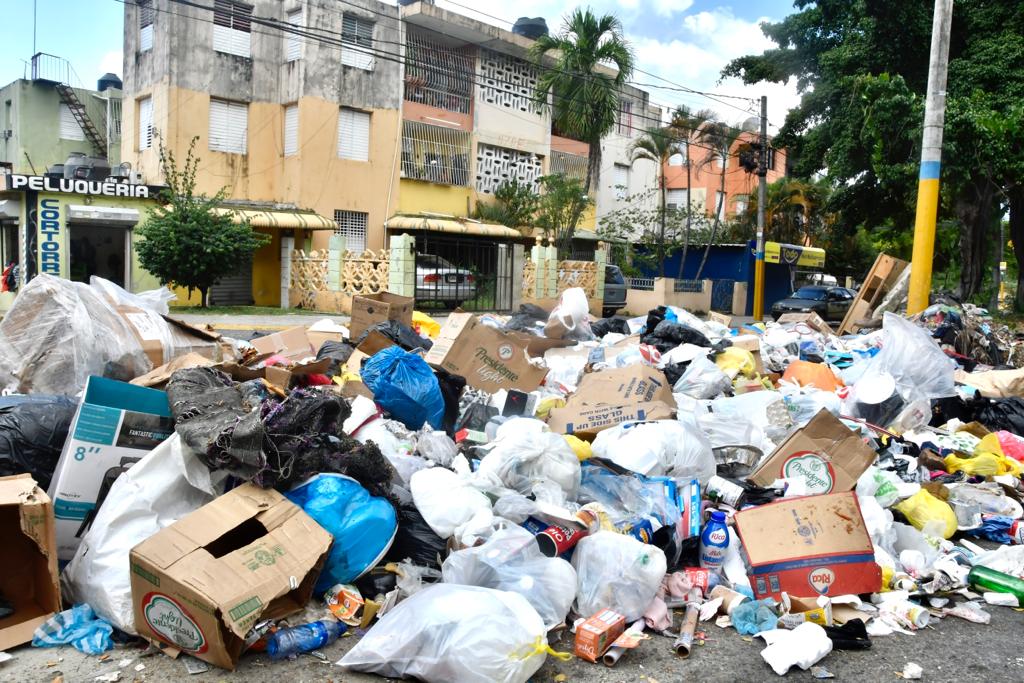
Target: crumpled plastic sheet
<point>78,626</point>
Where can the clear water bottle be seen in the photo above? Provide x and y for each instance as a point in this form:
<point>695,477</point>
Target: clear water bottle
<point>287,642</point>
<point>713,542</point>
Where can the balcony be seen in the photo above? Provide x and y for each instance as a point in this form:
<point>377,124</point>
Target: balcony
<point>437,75</point>
<point>435,154</point>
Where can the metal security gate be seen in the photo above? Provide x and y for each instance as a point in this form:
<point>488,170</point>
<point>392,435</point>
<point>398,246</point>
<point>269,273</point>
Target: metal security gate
<point>457,272</point>
<point>721,295</point>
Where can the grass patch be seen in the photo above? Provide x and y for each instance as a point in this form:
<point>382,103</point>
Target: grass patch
<point>244,310</point>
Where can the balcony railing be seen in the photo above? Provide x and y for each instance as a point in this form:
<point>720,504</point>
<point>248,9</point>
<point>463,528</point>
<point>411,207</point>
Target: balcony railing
<point>435,154</point>
<point>438,76</point>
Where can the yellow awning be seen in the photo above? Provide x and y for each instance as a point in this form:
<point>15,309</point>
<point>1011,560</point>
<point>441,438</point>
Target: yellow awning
<point>794,255</point>
<point>280,220</point>
<point>451,225</point>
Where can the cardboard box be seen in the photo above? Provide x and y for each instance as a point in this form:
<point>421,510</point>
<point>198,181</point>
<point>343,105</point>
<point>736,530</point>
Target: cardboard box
<point>752,343</point>
<point>159,376</point>
<point>163,338</point>
<point>797,611</point>
<point>293,344</point>
<point>812,545</point>
<point>29,578</point>
<point>200,584</point>
<point>489,359</point>
<point>585,421</point>
<point>720,318</point>
<point>595,635</point>
<point>370,309</point>
<point>115,426</point>
<point>282,376</point>
<point>828,455</point>
<point>623,386</point>
<point>812,319</point>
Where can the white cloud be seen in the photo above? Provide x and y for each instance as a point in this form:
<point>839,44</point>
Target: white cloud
<point>667,8</point>
<point>111,62</point>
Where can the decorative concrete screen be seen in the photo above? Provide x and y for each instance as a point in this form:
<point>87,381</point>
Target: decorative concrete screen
<point>507,82</point>
<point>495,165</point>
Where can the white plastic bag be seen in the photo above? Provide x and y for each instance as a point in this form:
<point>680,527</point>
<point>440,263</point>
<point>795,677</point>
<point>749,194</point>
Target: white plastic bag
<point>436,446</point>
<point>447,501</point>
<point>804,646</point>
<point>911,356</point>
<point>616,572</point>
<point>511,560</point>
<point>673,448</point>
<point>569,318</point>
<point>527,457</point>
<point>167,484</point>
<point>702,379</point>
<point>446,633</point>
<point>394,439</point>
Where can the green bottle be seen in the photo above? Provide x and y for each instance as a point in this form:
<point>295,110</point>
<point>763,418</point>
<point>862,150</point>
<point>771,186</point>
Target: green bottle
<point>997,582</point>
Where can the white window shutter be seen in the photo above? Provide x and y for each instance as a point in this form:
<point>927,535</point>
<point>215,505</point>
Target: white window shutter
<point>353,135</point>
<point>291,130</point>
<point>293,46</point>
<point>229,126</point>
<point>145,123</point>
<point>238,119</point>
<point>620,180</point>
<point>69,128</point>
<point>675,199</point>
<point>146,38</point>
<point>357,39</point>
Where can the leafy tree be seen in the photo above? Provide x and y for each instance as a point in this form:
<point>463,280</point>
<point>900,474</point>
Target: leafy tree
<point>686,124</point>
<point>720,139</point>
<point>515,204</point>
<point>184,241</point>
<point>585,97</point>
<point>657,145</point>
<point>562,202</point>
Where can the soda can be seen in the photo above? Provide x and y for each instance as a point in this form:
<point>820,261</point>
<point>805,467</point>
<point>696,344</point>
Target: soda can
<point>556,540</point>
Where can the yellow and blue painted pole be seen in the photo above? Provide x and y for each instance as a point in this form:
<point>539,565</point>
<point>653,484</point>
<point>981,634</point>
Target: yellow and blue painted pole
<point>931,161</point>
<point>762,191</point>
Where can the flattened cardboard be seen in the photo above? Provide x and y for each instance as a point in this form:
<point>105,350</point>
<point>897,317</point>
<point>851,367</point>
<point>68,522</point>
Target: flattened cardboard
<point>158,377</point>
<point>622,386</point>
<point>292,343</point>
<point>489,359</point>
<point>116,424</point>
<point>164,338</point>
<point>828,455</point>
<point>201,583</point>
<point>374,342</point>
<point>812,545</point>
<point>812,319</point>
<point>720,318</point>
<point>370,309</point>
<point>282,376</point>
<point>29,579</point>
<point>585,421</point>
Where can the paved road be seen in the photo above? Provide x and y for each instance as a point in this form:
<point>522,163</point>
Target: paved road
<point>954,650</point>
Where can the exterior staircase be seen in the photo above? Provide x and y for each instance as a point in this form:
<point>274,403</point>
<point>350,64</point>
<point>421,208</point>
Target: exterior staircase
<point>57,70</point>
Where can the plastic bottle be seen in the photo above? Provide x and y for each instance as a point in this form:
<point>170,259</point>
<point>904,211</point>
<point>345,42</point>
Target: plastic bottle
<point>287,642</point>
<point>996,582</point>
<point>713,542</point>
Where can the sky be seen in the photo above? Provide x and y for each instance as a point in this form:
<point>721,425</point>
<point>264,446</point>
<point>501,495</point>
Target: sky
<point>685,41</point>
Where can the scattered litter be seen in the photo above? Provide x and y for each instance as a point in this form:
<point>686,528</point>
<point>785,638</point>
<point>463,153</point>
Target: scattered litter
<point>912,671</point>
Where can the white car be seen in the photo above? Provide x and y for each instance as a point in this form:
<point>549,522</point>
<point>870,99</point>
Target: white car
<point>439,280</point>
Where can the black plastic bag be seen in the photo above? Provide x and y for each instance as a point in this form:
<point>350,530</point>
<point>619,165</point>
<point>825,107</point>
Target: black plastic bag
<point>452,387</point>
<point>529,318</point>
<point>415,540</point>
<point>33,430</point>
<point>401,335</point>
<point>338,351</point>
<point>1003,413</point>
<point>673,371</point>
<point>605,326</point>
<point>668,335</point>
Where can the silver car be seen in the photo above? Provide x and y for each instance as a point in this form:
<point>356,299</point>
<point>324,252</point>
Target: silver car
<point>439,280</point>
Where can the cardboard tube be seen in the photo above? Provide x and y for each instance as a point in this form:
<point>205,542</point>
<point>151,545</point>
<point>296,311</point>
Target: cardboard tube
<point>685,640</point>
<point>611,657</point>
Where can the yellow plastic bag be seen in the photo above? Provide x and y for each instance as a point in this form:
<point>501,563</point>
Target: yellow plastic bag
<point>580,447</point>
<point>424,324</point>
<point>735,361</point>
<point>545,406</point>
<point>982,464</point>
<point>923,507</point>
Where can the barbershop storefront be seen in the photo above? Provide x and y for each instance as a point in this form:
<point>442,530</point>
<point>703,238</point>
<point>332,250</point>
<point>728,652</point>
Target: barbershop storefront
<point>72,229</point>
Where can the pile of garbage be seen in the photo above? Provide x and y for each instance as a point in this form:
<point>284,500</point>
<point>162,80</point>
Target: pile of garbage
<point>470,498</point>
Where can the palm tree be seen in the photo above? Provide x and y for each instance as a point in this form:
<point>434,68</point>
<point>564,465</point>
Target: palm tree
<point>584,95</point>
<point>687,123</point>
<point>657,145</point>
<point>720,138</point>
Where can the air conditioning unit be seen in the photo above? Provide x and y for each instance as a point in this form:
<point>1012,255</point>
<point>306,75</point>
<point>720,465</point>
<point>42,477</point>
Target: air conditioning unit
<point>135,178</point>
<point>7,134</point>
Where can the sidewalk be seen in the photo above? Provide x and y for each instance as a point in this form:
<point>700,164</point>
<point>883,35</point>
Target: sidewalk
<point>220,321</point>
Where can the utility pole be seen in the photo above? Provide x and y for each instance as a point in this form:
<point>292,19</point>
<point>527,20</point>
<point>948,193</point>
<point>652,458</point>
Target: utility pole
<point>931,160</point>
<point>762,194</point>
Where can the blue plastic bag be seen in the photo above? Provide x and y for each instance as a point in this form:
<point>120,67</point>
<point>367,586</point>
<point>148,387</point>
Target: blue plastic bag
<point>363,526</point>
<point>78,626</point>
<point>404,385</point>
<point>753,616</point>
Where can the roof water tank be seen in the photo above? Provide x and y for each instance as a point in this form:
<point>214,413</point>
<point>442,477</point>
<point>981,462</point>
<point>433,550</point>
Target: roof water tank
<point>530,28</point>
<point>108,80</point>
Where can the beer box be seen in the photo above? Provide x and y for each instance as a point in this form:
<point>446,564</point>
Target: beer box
<point>595,635</point>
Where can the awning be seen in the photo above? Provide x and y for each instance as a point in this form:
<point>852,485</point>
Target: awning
<point>102,215</point>
<point>451,225</point>
<point>588,235</point>
<point>279,220</point>
<point>794,255</point>
<point>10,209</point>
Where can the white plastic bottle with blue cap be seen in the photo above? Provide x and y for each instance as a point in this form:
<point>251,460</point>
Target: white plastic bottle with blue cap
<point>714,541</point>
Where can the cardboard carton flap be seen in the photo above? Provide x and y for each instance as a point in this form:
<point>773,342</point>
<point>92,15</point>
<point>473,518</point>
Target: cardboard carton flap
<point>33,504</point>
<point>622,386</point>
<point>292,343</point>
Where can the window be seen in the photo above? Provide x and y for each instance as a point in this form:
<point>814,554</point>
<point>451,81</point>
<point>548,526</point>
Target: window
<point>353,135</point>
<point>435,153</point>
<point>145,123</point>
<point>741,206</point>
<point>145,24</point>
<point>291,130</point>
<point>229,126</point>
<point>352,224</point>
<point>620,181</point>
<point>357,39</point>
<point>231,27</point>
<point>293,46</point>
<point>677,159</point>
<point>569,165</point>
<point>625,122</point>
<point>720,205</point>
<point>69,128</point>
<point>676,200</point>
